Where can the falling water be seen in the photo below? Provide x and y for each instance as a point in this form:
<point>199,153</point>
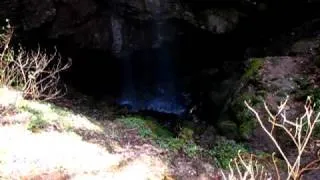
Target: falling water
<point>128,94</point>
<point>117,35</point>
<point>162,94</point>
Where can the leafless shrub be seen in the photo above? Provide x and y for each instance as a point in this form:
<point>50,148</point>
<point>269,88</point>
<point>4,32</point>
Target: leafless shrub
<point>36,73</point>
<point>246,168</point>
<point>300,133</point>
<point>6,33</point>
<point>40,73</point>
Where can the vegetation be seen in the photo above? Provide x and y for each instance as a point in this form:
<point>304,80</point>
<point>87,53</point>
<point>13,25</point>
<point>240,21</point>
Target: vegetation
<point>243,117</point>
<point>307,90</point>
<point>226,150</point>
<point>295,132</point>
<point>37,122</point>
<point>36,73</point>
<point>149,128</point>
<point>253,68</point>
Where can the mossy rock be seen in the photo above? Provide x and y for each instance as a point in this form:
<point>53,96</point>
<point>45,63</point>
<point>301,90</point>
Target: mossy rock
<point>302,82</point>
<point>251,72</point>
<point>242,113</point>
<point>246,129</point>
<point>243,116</point>
<point>314,93</point>
<point>157,129</point>
<point>229,129</point>
<point>267,160</point>
<point>37,123</point>
<point>186,134</point>
<point>147,127</point>
<point>225,150</point>
<point>316,131</point>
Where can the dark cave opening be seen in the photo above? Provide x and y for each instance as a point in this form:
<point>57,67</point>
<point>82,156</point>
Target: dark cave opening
<point>149,81</point>
<point>200,62</point>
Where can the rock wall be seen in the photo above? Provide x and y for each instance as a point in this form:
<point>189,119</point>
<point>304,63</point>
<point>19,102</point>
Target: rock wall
<point>100,24</point>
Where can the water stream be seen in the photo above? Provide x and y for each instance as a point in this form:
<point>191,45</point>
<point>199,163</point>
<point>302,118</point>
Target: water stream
<point>149,81</point>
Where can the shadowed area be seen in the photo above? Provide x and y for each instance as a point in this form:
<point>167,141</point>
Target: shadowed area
<point>149,79</point>
<point>149,83</point>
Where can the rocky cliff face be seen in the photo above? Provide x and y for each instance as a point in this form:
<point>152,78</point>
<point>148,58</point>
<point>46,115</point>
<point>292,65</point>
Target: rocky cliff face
<point>123,25</point>
<point>118,25</point>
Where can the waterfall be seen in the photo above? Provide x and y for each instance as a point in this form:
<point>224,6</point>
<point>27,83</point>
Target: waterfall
<point>128,94</point>
<point>161,94</point>
<point>116,35</point>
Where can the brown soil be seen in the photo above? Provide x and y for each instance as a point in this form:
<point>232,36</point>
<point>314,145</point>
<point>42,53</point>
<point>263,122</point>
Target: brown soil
<point>112,152</point>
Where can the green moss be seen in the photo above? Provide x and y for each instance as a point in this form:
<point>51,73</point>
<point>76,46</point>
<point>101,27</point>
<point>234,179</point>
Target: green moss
<point>37,122</point>
<point>186,134</point>
<point>192,149</point>
<point>253,68</point>
<point>228,128</point>
<point>225,150</point>
<point>246,128</point>
<point>157,129</point>
<point>241,111</point>
<point>173,144</point>
<point>149,128</point>
<point>44,115</point>
<point>316,132</point>
<point>267,160</point>
<point>243,117</point>
<point>314,93</point>
<point>139,124</point>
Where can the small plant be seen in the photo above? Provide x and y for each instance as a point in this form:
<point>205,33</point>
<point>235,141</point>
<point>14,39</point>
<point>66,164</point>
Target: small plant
<point>253,68</point>
<point>243,116</point>
<point>192,149</point>
<point>172,143</point>
<point>147,128</point>
<point>37,122</point>
<point>246,168</point>
<point>44,115</point>
<point>225,150</point>
<point>138,124</point>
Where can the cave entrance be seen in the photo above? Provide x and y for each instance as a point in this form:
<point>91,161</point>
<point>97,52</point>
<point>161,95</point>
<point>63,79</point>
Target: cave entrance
<point>149,82</point>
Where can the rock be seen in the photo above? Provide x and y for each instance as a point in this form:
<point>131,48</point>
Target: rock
<point>222,21</point>
<point>119,25</point>
<point>208,137</point>
<point>229,129</point>
<point>317,60</point>
<point>305,47</point>
<point>37,12</point>
<point>92,23</point>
